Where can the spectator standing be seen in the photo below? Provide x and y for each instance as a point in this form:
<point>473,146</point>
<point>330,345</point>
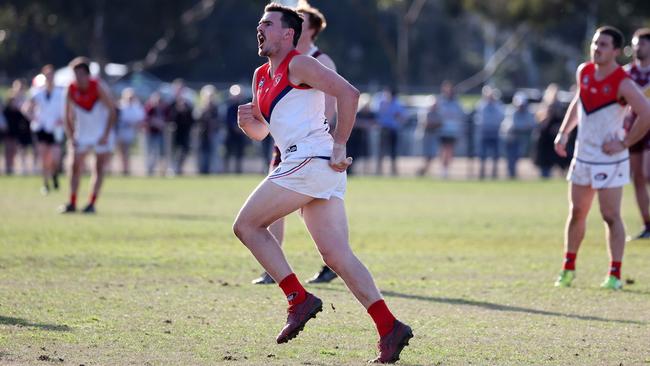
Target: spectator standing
<point>19,135</point>
<point>235,139</point>
<point>488,118</point>
<point>452,117</point>
<point>358,143</point>
<point>131,115</point>
<point>516,131</point>
<point>182,118</point>
<point>155,111</point>
<point>390,117</point>
<point>549,119</point>
<point>207,115</point>
<point>429,123</point>
<point>45,108</point>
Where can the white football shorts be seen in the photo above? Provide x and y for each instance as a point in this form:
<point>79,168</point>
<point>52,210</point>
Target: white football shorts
<point>311,176</point>
<point>599,175</point>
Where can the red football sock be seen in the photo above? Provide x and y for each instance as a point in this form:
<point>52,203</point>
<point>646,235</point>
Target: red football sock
<point>73,199</point>
<point>570,261</point>
<point>615,269</point>
<point>383,318</point>
<point>292,288</point>
<point>93,198</point>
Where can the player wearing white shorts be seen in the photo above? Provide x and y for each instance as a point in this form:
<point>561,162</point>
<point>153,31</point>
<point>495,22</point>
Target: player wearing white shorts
<point>45,109</point>
<point>600,164</point>
<point>313,24</point>
<point>90,115</point>
<point>289,102</point>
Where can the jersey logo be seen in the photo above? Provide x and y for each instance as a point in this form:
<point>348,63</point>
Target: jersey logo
<point>261,83</point>
<point>292,148</point>
<point>607,89</point>
<point>585,79</point>
<point>277,79</point>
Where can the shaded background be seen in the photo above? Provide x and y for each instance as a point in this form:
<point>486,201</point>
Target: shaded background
<point>413,43</point>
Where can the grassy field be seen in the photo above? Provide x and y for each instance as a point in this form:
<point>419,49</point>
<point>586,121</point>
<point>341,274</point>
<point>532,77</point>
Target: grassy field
<point>157,278</point>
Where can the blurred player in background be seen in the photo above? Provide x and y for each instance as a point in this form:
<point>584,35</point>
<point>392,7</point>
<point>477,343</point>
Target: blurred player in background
<point>639,71</point>
<point>89,119</point>
<point>45,109</point>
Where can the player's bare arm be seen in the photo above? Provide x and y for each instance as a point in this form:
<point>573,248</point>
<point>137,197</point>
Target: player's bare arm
<point>631,93</point>
<point>112,116</point>
<point>250,119</point>
<point>568,124</point>
<point>69,118</point>
<point>570,121</point>
<point>307,70</point>
<point>330,101</point>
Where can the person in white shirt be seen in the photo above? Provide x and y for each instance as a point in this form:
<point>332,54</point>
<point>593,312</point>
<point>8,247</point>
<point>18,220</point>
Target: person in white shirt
<point>45,110</point>
<point>130,118</point>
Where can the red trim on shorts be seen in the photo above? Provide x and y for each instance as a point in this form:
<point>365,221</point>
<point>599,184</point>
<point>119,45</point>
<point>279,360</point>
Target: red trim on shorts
<point>292,170</point>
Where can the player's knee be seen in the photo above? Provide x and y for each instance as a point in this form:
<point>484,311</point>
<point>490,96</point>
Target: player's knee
<point>578,212</point>
<point>336,259</point>
<point>76,165</point>
<point>610,217</point>
<point>239,227</point>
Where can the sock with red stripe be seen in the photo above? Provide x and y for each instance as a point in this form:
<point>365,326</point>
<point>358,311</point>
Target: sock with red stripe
<point>293,289</point>
<point>73,199</point>
<point>383,318</point>
<point>615,269</point>
<point>93,198</point>
<point>570,261</point>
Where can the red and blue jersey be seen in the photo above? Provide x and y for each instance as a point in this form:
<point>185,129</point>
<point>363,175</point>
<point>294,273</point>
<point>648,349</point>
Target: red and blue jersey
<point>601,114</point>
<point>295,113</point>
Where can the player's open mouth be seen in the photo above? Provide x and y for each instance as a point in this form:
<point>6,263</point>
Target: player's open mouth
<point>260,39</point>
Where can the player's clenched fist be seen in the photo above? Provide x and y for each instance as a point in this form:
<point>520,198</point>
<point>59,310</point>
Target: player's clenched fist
<point>247,114</point>
<point>339,160</point>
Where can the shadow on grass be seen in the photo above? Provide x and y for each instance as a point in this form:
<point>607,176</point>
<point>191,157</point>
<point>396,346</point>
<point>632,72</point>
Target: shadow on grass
<point>498,307</point>
<point>174,216</point>
<point>24,323</point>
<point>510,308</point>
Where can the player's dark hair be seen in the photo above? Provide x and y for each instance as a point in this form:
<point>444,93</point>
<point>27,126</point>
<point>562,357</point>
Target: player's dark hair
<point>290,19</point>
<point>316,20</point>
<point>618,40</point>
<point>80,62</point>
<point>47,68</point>
<point>643,33</point>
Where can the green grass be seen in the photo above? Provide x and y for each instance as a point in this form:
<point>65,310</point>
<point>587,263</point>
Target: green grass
<point>157,278</point>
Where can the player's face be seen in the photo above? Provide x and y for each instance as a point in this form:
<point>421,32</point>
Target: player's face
<point>270,34</point>
<point>49,76</point>
<point>447,90</point>
<point>81,76</point>
<point>602,49</point>
<point>641,47</point>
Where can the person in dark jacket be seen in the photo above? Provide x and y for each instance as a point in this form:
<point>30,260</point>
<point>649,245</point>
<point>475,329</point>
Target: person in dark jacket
<point>549,118</point>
